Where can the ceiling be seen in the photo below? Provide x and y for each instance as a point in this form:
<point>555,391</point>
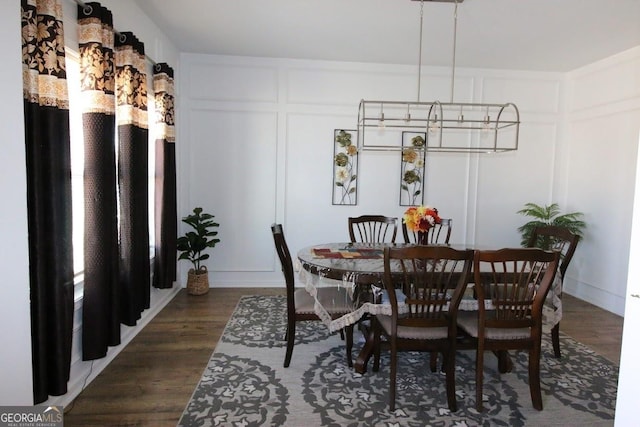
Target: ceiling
<point>538,35</point>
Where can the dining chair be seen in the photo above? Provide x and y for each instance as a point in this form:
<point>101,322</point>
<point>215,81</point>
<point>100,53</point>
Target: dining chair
<point>515,282</point>
<point>438,234</point>
<point>300,304</point>
<point>432,281</point>
<point>373,229</point>
<point>564,241</point>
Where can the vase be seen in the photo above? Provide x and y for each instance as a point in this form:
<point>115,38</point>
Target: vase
<point>422,238</point>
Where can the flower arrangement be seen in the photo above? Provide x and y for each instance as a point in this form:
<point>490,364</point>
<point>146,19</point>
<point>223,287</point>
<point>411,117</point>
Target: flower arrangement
<point>421,218</point>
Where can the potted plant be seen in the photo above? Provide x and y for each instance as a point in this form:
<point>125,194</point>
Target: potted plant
<point>549,215</point>
<point>191,246</point>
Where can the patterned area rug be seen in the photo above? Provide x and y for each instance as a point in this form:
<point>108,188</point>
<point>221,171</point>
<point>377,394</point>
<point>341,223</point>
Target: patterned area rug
<point>245,384</point>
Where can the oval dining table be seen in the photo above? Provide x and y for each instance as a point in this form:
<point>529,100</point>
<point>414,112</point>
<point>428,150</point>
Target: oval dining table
<point>359,268</point>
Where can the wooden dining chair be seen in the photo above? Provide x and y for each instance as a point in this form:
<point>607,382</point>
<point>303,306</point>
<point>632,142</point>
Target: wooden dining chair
<point>432,280</point>
<point>515,282</point>
<point>438,234</point>
<point>373,229</point>
<point>300,304</point>
<point>564,241</point>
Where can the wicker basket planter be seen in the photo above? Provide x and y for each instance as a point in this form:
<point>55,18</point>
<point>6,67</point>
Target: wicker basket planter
<point>198,281</point>
<point>191,246</point>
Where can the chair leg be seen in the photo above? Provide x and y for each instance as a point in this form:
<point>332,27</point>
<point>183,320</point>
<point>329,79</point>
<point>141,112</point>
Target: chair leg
<point>534,377</point>
<point>376,345</point>
<point>349,338</point>
<point>291,337</point>
<point>433,364</point>
<point>555,339</point>
<point>393,375</point>
<point>449,362</point>
<point>479,375</point>
<point>504,361</point>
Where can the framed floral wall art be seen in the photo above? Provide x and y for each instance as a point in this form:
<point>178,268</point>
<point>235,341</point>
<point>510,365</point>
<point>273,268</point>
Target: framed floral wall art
<point>345,168</point>
<point>412,167</point>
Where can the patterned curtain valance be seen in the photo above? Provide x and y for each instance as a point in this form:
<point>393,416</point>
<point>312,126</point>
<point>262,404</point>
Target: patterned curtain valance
<point>43,62</point>
<point>131,81</point>
<point>96,44</point>
<point>163,87</point>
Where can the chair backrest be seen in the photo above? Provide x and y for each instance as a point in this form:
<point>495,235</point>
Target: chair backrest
<point>438,234</point>
<point>373,229</point>
<point>555,238</point>
<point>516,281</point>
<point>433,280</point>
<point>287,264</point>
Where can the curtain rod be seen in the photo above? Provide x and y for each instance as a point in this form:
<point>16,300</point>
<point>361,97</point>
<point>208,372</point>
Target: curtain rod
<point>84,5</point>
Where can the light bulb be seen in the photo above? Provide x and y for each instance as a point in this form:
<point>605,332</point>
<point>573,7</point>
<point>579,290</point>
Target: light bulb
<point>434,125</point>
<point>486,127</point>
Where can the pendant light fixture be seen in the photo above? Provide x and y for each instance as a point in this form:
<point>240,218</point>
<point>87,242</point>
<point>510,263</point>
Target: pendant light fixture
<point>449,126</point>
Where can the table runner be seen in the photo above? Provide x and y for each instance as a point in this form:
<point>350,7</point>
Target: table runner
<point>348,253</point>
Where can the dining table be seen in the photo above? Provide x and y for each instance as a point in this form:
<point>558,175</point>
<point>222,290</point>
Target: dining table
<point>359,268</point>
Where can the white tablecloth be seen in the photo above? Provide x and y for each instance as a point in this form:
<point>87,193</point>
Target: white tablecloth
<point>551,313</point>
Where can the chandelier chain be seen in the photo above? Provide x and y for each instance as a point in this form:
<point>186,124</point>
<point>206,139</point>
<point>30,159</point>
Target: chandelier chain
<point>420,48</point>
<point>455,33</point>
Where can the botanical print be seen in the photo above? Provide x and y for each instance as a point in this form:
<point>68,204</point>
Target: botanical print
<point>345,168</point>
<point>412,168</point>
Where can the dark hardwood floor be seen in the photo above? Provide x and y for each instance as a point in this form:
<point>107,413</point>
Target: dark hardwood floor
<point>150,382</point>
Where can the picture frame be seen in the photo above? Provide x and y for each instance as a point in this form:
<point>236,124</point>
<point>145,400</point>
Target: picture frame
<point>412,168</point>
<point>345,167</point>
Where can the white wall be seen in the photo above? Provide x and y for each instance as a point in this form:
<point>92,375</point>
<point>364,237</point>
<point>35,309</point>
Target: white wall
<point>256,146</point>
<point>602,125</point>
<point>16,387</point>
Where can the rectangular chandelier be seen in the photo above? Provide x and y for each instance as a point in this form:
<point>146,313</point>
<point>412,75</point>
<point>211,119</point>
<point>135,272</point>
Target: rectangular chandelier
<point>443,126</point>
<point>447,126</point>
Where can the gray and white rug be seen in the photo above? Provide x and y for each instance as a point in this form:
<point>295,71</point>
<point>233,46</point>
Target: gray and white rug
<point>245,384</point>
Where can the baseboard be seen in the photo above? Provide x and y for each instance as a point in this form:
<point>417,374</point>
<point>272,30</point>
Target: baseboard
<point>595,296</point>
<point>83,372</point>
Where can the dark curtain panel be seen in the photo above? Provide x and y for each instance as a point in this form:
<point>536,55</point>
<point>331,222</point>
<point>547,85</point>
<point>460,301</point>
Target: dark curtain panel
<point>133,178</point>
<point>48,158</point>
<point>166,216</point>
<point>100,307</point>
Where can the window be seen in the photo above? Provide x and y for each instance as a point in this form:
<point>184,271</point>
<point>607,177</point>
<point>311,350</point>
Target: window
<point>77,162</point>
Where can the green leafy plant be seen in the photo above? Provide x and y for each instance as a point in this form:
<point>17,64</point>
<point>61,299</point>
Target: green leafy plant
<point>193,243</point>
<point>549,215</point>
